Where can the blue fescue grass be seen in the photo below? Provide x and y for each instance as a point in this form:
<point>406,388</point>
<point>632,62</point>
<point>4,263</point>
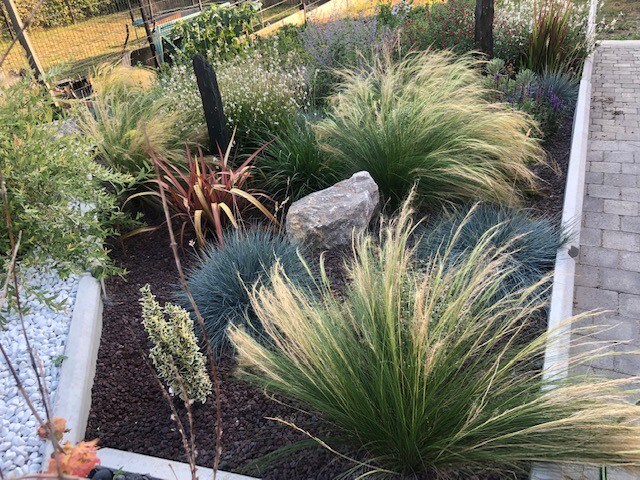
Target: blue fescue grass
<point>531,243</point>
<point>221,279</point>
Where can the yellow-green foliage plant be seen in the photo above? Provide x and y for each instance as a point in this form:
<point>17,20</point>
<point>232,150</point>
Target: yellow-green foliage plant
<point>175,353</point>
<point>128,116</point>
<point>429,120</point>
<point>429,372</point>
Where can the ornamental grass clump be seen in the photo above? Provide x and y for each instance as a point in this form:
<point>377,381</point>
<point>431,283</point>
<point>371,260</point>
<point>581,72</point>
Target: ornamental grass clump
<point>221,279</point>
<point>428,120</point>
<point>175,353</point>
<point>293,164</point>
<point>128,117</point>
<point>531,243</point>
<point>426,373</point>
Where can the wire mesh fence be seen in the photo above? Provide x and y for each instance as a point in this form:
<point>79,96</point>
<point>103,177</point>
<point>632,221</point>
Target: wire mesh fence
<point>72,36</point>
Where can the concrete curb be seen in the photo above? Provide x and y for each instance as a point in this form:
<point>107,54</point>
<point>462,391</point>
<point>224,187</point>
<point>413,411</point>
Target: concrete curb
<point>621,43</point>
<point>73,396</point>
<point>158,467</point>
<point>556,358</point>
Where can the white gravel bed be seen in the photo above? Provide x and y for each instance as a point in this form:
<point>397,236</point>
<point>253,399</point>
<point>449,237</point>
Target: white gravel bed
<point>21,450</point>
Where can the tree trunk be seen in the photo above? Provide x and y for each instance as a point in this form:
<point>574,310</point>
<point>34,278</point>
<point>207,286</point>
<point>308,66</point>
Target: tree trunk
<point>484,26</point>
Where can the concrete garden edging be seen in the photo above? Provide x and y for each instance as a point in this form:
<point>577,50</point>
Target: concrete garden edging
<point>159,467</point>
<point>556,358</point>
<point>72,400</point>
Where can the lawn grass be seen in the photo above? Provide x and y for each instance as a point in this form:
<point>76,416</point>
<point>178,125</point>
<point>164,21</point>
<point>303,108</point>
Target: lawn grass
<point>70,49</point>
<point>627,13</point>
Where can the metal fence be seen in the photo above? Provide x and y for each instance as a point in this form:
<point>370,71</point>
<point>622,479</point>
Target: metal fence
<point>71,36</point>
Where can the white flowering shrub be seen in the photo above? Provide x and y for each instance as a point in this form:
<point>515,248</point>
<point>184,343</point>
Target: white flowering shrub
<point>175,353</point>
<point>178,84</point>
<point>260,90</point>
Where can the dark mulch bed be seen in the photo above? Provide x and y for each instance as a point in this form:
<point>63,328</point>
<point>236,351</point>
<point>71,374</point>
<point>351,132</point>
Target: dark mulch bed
<point>129,411</point>
<point>553,175</point>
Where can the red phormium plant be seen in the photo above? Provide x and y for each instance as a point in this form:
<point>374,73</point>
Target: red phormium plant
<point>210,194</point>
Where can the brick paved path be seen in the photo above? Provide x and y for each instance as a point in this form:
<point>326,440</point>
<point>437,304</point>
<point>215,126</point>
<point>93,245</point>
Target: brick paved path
<point>608,270</point>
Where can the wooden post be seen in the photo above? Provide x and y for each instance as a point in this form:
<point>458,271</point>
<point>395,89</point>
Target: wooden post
<point>23,37</point>
<point>484,26</point>
<point>147,29</point>
<point>212,103</point>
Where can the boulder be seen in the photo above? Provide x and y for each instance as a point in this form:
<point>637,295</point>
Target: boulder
<point>327,219</point>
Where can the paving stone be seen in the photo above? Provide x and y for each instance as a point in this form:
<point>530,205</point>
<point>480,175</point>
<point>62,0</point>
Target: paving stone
<point>624,281</point>
<point>587,276</point>
<point>598,257</point>
<point>605,221</point>
<point>603,191</point>
<point>605,167</point>
<point>630,224</point>
<point>626,241</point>
<point>591,237</point>
<point>592,204</point>
<point>629,261</point>
<point>629,305</point>
<point>593,298</point>
<point>619,179</point>
<point>621,207</point>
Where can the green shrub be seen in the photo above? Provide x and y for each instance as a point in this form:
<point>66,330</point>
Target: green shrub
<point>127,116</point>
<point>62,201</point>
<point>529,243</point>
<point>175,353</point>
<point>293,165</point>
<point>534,95</point>
<point>261,90</point>
<point>55,13</point>
<point>428,121</point>
<point>222,277</point>
<point>219,32</point>
<point>340,43</point>
<point>425,374</point>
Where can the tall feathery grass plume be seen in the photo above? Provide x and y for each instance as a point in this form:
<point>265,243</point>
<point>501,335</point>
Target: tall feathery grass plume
<point>427,372</point>
<point>429,120</point>
<point>129,116</point>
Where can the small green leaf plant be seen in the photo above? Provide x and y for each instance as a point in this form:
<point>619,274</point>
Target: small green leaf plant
<point>220,31</point>
<point>175,353</point>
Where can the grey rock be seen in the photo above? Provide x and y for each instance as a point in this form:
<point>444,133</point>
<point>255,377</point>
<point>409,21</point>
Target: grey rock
<point>327,219</point>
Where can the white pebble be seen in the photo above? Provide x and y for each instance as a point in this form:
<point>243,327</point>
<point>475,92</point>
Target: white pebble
<point>21,451</point>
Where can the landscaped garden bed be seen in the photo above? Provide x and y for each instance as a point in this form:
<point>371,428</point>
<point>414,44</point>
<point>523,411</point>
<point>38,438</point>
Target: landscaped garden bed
<point>347,271</point>
<point>125,390</point>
